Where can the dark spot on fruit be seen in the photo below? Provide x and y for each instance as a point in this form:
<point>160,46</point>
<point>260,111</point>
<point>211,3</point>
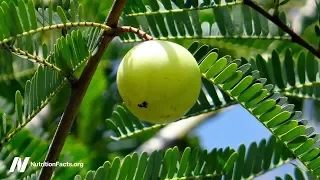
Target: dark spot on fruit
<point>143,104</point>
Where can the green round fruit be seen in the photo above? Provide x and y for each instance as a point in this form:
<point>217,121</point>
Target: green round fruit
<point>159,81</point>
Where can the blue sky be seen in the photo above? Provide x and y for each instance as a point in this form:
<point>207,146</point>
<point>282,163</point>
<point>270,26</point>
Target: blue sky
<point>233,128</point>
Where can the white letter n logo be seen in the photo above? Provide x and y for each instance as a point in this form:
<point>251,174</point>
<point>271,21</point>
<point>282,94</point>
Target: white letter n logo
<point>17,162</point>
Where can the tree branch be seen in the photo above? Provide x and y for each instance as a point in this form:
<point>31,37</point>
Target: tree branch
<point>276,20</point>
<point>78,90</point>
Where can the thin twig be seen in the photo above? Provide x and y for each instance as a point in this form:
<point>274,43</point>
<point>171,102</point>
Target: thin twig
<point>276,20</point>
<point>37,59</point>
<point>198,37</point>
<point>78,90</point>
<point>56,27</point>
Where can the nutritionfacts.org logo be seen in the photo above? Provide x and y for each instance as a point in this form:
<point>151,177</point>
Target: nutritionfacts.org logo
<point>19,164</point>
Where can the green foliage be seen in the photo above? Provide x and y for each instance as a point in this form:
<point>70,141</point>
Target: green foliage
<point>14,69</point>
<point>298,174</point>
<point>246,163</point>
<point>12,78</point>
<point>24,145</point>
<point>69,54</point>
<point>294,76</point>
<point>46,35</point>
<point>62,60</point>
<point>192,164</point>
<point>32,177</point>
<point>270,108</point>
<point>26,18</point>
<point>225,24</point>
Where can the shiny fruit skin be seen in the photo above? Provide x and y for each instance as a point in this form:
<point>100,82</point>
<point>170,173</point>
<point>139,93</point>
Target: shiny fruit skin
<point>159,81</point>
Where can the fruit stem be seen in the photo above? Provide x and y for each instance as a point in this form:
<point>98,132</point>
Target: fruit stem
<point>136,31</point>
